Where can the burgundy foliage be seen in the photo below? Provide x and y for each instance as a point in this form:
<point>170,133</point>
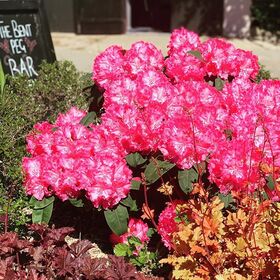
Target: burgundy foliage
<point>45,255</point>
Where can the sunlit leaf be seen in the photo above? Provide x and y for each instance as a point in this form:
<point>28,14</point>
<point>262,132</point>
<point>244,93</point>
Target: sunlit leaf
<point>90,118</point>
<point>155,169</point>
<point>135,159</point>
<point>186,179</point>
<point>117,219</point>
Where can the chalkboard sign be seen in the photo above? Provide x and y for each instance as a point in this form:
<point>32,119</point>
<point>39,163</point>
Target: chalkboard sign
<point>24,37</point>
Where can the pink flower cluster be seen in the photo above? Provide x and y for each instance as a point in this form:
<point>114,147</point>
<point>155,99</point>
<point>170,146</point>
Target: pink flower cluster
<point>252,121</point>
<point>68,158</point>
<point>171,105</point>
<point>136,228</point>
<point>168,105</point>
<point>217,58</point>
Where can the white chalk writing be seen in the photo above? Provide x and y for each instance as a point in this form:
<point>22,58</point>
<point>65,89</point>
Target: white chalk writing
<point>16,43</point>
<point>25,66</point>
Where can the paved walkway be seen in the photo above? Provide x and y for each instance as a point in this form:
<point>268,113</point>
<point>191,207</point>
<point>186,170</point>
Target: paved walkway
<point>82,49</point>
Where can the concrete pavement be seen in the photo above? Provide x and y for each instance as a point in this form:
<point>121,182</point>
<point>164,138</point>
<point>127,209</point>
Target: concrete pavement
<point>82,49</point>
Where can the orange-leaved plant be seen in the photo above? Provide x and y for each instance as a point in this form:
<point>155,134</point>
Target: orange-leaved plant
<point>216,244</point>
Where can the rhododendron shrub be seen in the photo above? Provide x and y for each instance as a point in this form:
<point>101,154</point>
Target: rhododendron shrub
<point>199,109</point>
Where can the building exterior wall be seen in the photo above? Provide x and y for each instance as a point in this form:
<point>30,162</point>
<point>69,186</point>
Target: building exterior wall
<point>60,15</point>
<point>202,16</point>
<point>216,17</point>
<point>237,18</point>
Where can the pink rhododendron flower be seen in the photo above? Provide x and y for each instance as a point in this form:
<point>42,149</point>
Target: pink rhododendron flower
<point>182,41</point>
<point>141,56</point>
<point>195,122</point>
<point>135,114</point>
<point>171,106</point>
<point>71,158</point>
<point>137,228</point>
<point>167,223</point>
<point>235,166</point>
<point>108,66</point>
<point>224,60</point>
<point>185,67</point>
<point>72,117</point>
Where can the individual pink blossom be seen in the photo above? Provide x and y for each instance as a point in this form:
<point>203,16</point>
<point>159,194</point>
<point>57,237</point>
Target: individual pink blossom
<point>137,228</point>
<point>40,140</point>
<point>182,41</point>
<point>222,59</point>
<point>73,117</point>
<point>185,67</point>
<point>167,224</point>
<point>142,56</point>
<point>108,66</point>
<point>235,166</point>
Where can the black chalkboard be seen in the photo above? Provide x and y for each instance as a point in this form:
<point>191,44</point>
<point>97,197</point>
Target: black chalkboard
<point>25,38</point>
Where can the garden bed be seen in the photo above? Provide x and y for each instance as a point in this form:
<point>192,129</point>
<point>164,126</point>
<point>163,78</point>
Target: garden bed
<point>171,166</point>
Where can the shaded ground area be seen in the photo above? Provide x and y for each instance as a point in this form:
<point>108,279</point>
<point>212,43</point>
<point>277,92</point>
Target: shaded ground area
<point>82,49</point>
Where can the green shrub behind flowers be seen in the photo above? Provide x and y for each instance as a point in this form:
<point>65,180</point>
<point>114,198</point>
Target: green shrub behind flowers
<point>189,130</point>
<point>24,102</point>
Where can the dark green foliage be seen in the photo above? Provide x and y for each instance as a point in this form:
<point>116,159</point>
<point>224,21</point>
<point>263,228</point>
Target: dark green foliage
<point>186,179</point>
<point>130,203</point>
<point>137,254</point>
<point>263,74</point>
<point>117,219</point>
<point>156,169</point>
<point>41,209</point>
<point>196,53</point>
<point>90,118</point>
<point>219,83</point>
<point>266,14</point>
<point>24,102</point>
<point>135,159</point>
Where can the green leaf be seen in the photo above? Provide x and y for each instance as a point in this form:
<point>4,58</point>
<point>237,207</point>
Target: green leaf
<point>135,185</point>
<point>143,258</point>
<point>219,83</point>
<point>42,209</point>
<point>186,179</point>
<point>121,250</point>
<point>226,199</point>
<point>2,79</point>
<point>117,219</point>
<point>41,204</point>
<point>270,182</point>
<point>155,169</point>
<point>181,218</point>
<point>196,53</point>
<point>150,232</point>
<point>91,117</point>
<point>135,159</point>
<point>76,202</point>
<point>133,240</point>
<point>129,202</point>
<point>135,262</point>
